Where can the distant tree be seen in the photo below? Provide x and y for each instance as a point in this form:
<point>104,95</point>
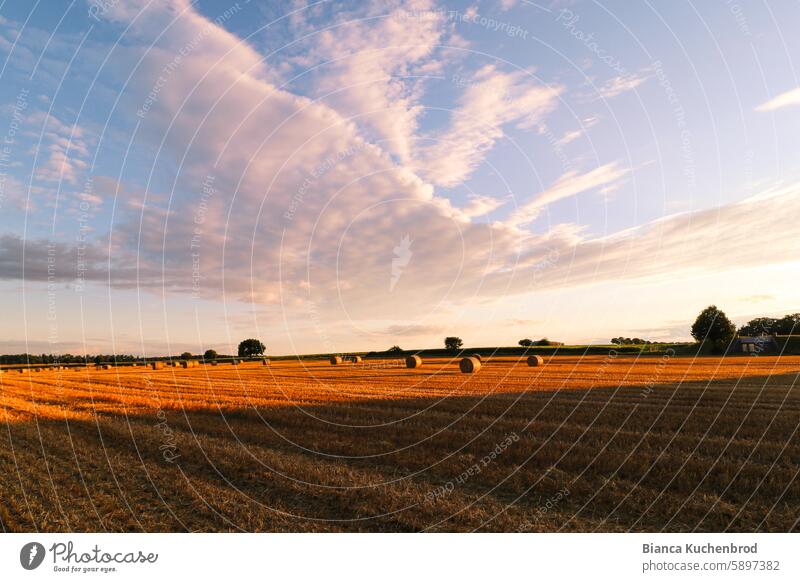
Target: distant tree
<point>186,356</point>
<point>788,325</point>
<point>526,343</point>
<point>453,343</point>
<point>210,355</point>
<point>542,342</point>
<point>251,347</point>
<point>395,350</point>
<point>760,325</point>
<point>616,341</point>
<point>713,325</point>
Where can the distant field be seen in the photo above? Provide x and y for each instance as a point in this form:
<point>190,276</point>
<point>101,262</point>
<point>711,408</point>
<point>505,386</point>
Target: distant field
<point>592,443</point>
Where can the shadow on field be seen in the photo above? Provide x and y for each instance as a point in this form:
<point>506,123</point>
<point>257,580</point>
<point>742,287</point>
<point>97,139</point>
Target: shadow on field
<point>710,456</point>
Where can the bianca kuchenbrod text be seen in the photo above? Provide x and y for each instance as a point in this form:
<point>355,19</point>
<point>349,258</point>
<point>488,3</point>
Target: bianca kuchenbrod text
<point>690,548</point>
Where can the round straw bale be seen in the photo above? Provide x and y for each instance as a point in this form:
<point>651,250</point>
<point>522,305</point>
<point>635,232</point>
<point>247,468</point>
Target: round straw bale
<point>534,361</point>
<point>356,359</point>
<point>265,362</point>
<point>413,362</point>
<point>470,365</point>
<point>335,360</point>
<point>477,357</point>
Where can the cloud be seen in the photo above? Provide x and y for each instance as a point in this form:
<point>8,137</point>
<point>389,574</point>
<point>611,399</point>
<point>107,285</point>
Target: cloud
<point>760,298</point>
<point>571,136</point>
<point>66,149</point>
<point>283,201</point>
<point>412,330</point>
<point>786,99</point>
<point>373,65</point>
<point>622,84</point>
<point>570,184</point>
<point>481,205</point>
<point>716,239</point>
<point>491,100</point>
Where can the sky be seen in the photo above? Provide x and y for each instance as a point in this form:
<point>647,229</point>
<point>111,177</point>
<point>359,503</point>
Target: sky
<point>348,176</point>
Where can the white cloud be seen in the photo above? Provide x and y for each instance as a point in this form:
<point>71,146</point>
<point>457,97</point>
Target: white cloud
<point>372,67</point>
<point>570,184</point>
<point>712,240</point>
<point>786,99</point>
<point>571,136</point>
<point>622,84</point>
<point>65,149</point>
<point>491,100</point>
<point>481,205</point>
<point>304,213</point>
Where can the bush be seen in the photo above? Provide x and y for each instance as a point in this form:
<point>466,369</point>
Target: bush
<point>453,343</point>
<point>251,347</point>
<point>714,326</point>
<point>210,355</point>
<point>526,343</point>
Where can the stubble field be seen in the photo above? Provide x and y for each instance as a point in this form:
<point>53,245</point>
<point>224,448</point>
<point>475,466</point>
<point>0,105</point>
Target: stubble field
<point>597,443</point>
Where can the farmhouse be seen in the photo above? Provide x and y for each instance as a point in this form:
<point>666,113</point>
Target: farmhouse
<point>756,344</point>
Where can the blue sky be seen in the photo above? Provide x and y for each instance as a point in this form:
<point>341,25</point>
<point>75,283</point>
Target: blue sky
<point>340,176</point>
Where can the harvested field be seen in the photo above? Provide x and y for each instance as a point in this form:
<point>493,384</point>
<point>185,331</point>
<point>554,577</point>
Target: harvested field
<point>578,444</point>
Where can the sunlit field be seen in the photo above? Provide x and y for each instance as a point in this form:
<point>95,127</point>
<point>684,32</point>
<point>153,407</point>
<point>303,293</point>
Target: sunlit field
<point>596,443</point>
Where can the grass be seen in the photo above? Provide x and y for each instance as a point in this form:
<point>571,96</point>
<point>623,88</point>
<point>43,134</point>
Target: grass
<point>581,444</point>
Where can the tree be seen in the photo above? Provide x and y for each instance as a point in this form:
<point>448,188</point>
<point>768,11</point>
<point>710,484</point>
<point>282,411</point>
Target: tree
<point>453,343</point>
<point>713,325</point>
<point>251,347</point>
<point>186,356</point>
<point>760,325</point>
<point>395,350</point>
<point>788,325</point>
<point>210,355</point>
<point>526,343</point>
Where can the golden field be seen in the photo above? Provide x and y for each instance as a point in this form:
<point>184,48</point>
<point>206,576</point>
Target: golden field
<point>580,444</point>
